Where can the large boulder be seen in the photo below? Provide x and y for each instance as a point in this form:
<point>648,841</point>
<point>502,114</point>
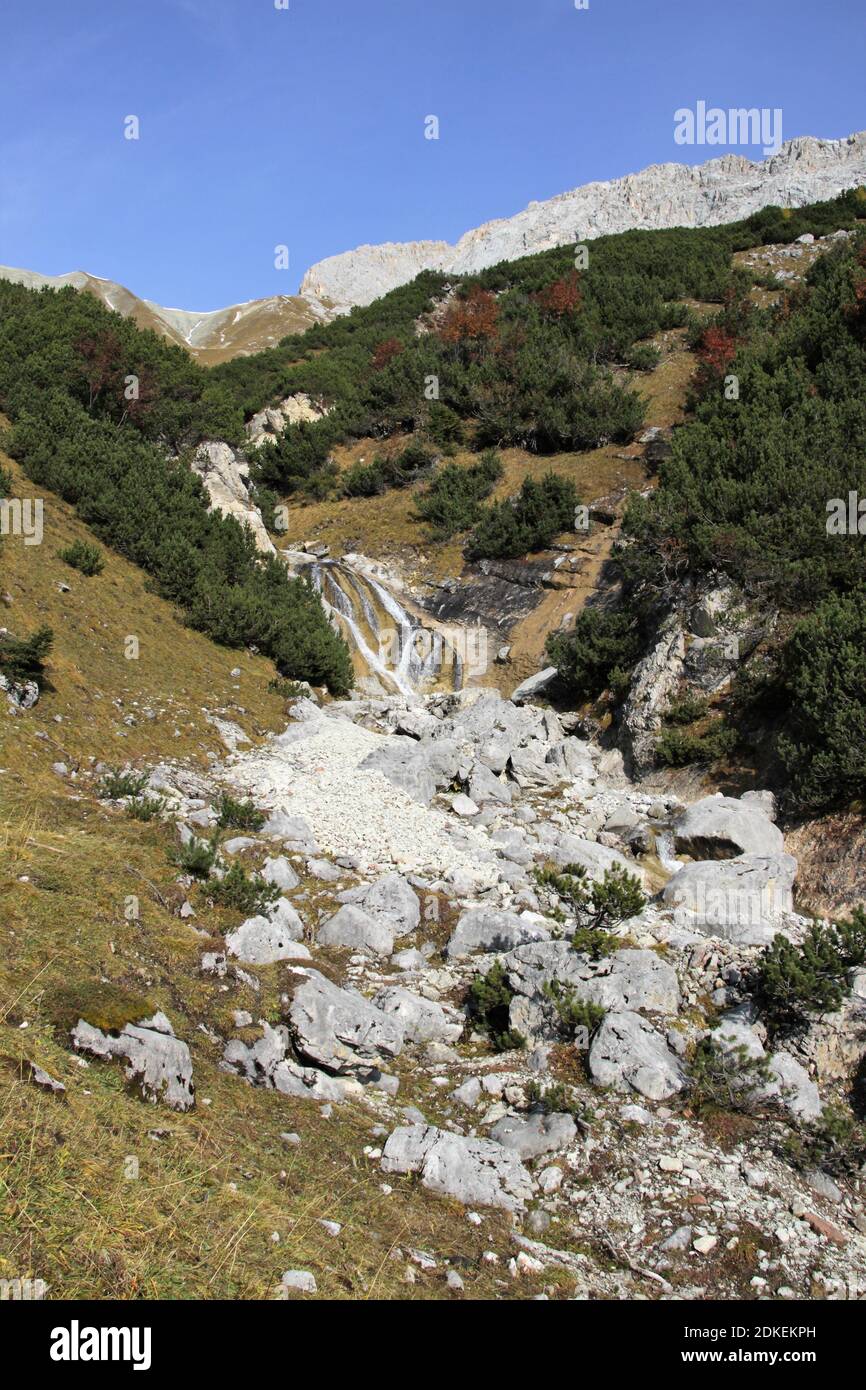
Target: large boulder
<point>563,848</point>
<point>283,826</point>
<point>263,940</point>
<point>791,1083</point>
<point>405,764</point>
<point>158,1063</point>
<point>741,900</point>
<point>268,1062</point>
<point>628,1053</point>
<point>572,758</point>
<point>529,768</point>
<point>422,1020</point>
<point>530,1136</point>
<point>536,685</point>
<point>492,929</point>
<point>723,827</point>
<point>339,1030</point>
<point>484,785</point>
<point>280,872</point>
<point>393,901</point>
<point>354,928</point>
<point>638,981</point>
<point>477,1172</point>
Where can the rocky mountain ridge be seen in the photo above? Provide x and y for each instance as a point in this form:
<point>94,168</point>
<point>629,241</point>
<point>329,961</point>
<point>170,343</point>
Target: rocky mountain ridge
<point>663,195</point>
<point>806,169</point>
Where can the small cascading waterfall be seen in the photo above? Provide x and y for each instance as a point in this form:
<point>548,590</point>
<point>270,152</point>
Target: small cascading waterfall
<point>399,649</point>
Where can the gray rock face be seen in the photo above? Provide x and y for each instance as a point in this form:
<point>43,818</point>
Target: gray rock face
<point>263,940</point>
<point>804,170</point>
<point>268,1062</point>
<point>285,827</point>
<point>406,766</point>
<point>354,928</point>
<point>159,1064</point>
<point>492,929</point>
<point>765,801</point>
<point>280,872</point>
<point>564,848</point>
<point>723,827</point>
<point>324,870</point>
<point>536,685</point>
<point>741,900</point>
<point>339,1030</point>
<point>653,686</point>
<point>788,1083</point>
<point>530,769</point>
<point>794,1087</point>
<point>422,1020</point>
<point>628,1053</point>
<point>484,785</point>
<point>393,901</point>
<point>573,759</point>
<point>533,1135</point>
<point>638,981</point>
<point>225,476</point>
<point>736,1039</point>
<point>477,1172</point>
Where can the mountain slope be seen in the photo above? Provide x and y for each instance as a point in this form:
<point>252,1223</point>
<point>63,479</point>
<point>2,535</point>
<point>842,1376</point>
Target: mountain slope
<point>664,195</point>
<point>210,337</point>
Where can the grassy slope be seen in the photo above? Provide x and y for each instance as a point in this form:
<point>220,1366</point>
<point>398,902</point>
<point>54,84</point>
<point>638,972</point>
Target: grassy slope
<point>218,1182</point>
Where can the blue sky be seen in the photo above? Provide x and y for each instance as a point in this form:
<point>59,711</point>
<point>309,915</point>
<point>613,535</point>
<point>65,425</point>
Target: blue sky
<point>305,126</point>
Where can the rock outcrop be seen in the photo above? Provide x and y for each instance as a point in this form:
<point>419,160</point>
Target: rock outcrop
<point>225,476</point>
<point>664,195</point>
<point>158,1063</point>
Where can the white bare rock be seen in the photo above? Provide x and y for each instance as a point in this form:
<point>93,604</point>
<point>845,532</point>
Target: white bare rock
<point>354,928</point>
<point>793,1086</point>
<point>492,929</point>
<point>340,1030</point>
<point>225,477</point>
<point>535,685</point>
<point>477,1172</point>
<point>633,980</point>
<point>280,873</point>
<point>628,1053</point>
<point>293,410</point>
<point>405,764</point>
<point>262,940</point>
<point>653,685</point>
<point>530,1136</point>
<point>159,1063</point>
<point>393,901</point>
<point>742,900</point>
<point>726,189</point>
<point>723,827</point>
<point>422,1020</point>
<point>269,1062</point>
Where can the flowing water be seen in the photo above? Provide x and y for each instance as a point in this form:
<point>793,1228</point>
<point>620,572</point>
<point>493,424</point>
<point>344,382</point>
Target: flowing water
<point>398,648</point>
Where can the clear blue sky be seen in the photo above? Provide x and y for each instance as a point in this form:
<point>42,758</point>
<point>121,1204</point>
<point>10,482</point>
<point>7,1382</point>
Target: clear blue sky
<point>304,126</point>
